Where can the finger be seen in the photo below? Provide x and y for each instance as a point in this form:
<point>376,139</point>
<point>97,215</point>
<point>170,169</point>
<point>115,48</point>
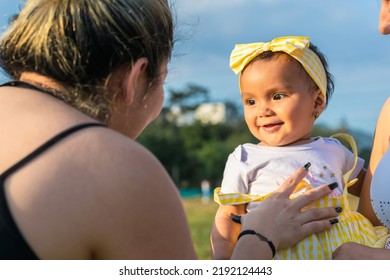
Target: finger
<point>316,227</point>
<point>317,214</point>
<point>287,188</point>
<point>311,195</point>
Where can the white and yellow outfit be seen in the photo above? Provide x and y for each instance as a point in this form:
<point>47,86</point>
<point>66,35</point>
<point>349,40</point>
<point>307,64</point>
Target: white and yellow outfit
<point>253,172</point>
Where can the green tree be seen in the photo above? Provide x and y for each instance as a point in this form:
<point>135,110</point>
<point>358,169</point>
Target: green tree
<point>189,98</point>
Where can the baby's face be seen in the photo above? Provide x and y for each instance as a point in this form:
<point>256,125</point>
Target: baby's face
<point>279,101</point>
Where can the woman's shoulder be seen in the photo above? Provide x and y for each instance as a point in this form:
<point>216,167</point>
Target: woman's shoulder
<point>382,131</point>
<point>384,114</point>
<point>387,103</point>
<point>135,188</point>
<point>103,182</point>
<point>119,158</point>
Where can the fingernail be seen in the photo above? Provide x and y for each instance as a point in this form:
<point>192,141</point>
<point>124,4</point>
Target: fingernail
<point>333,185</point>
<point>338,209</point>
<point>334,221</point>
<point>307,165</point>
<point>236,219</point>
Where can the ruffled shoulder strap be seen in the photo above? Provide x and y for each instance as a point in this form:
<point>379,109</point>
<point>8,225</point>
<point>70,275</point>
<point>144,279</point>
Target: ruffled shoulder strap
<point>352,143</point>
<point>243,198</point>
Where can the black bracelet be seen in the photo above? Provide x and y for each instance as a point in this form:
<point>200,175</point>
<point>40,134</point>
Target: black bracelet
<point>261,237</point>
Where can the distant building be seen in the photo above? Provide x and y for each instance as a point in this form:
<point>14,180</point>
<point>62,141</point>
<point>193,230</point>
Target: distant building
<point>206,113</point>
<point>180,118</point>
<point>211,113</point>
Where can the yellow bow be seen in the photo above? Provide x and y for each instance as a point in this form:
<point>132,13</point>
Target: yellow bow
<point>295,46</point>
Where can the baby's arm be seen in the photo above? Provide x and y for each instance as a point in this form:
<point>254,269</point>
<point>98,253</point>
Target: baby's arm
<point>225,232</point>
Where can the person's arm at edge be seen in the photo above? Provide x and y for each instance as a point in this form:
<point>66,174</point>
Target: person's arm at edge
<point>380,145</point>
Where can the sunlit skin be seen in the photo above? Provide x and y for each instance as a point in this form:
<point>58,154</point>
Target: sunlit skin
<point>142,107</point>
<point>384,17</point>
<point>155,97</point>
<point>351,250</point>
<point>280,101</point>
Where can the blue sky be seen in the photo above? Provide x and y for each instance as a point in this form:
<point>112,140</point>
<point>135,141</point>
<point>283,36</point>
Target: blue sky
<point>345,31</point>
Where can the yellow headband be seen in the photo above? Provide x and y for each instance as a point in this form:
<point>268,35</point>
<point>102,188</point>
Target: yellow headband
<point>295,46</point>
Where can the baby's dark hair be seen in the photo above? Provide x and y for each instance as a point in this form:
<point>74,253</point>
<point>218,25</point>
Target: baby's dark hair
<point>269,55</point>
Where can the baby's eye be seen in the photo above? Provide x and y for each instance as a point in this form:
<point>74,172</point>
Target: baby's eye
<point>250,102</point>
<point>278,96</point>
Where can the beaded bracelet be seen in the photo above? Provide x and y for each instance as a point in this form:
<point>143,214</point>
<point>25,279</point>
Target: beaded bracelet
<point>261,237</point>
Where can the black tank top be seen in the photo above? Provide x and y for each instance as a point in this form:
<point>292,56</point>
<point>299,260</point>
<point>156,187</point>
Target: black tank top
<point>13,245</point>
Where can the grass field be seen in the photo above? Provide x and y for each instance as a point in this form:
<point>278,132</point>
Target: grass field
<point>201,217</point>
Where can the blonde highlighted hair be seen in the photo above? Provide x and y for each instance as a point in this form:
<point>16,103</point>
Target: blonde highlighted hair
<point>80,43</point>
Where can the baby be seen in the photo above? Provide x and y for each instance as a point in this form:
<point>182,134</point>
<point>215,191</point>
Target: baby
<point>285,86</point>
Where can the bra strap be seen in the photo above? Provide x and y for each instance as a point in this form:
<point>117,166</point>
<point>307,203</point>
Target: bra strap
<point>45,146</point>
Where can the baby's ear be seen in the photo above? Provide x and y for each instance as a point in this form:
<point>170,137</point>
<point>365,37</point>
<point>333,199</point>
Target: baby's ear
<point>319,101</point>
